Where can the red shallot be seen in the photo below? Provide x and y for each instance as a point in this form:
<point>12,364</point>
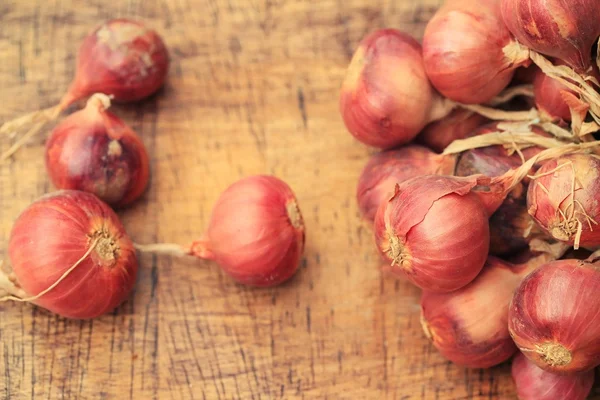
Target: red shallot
<point>121,58</point>
<point>549,98</point>
<point>533,383</point>
<point>470,326</point>
<point>94,151</point>
<point>256,233</point>
<point>458,125</point>
<point>71,255</point>
<point>470,56</point>
<point>384,170</point>
<point>566,30</point>
<point>386,98</point>
<point>563,199</point>
<point>553,316</point>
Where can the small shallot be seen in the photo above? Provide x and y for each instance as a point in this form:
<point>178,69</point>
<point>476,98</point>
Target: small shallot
<point>534,383</point>
<point>566,30</point>
<point>256,233</point>
<point>70,254</point>
<point>470,326</point>
<point>469,54</point>
<point>553,316</point>
<point>94,151</point>
<point>386,98</point>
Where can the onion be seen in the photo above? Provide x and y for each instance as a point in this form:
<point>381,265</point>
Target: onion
<point>386,98</point>
<point>566,30</point>
<point>256,233</point>
<point>458,125</point>
<point>553,316</point>
<point>94,151</point>
<point>534,383</point>
<point>563,199</point>
<point>470,326</point>
<point>70,252</point>
<point>434,231</point>
<point>548,97</point>
<point>121,58</point>
<point>384,170</point>
<point>470,56</point>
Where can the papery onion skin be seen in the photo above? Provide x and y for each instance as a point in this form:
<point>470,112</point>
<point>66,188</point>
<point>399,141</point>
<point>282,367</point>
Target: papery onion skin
<point>458,125</point>
<point>563,29</point>
<point>256,232</point>
<point>121,58</point>
<point>384,170</point>
<point>386,98</point>
<point>434,231</point>
<point>548,98</point>
<point>52,234</point>
<point>470,326</point>
<point>553,316</point>
<point>94,151</point>
<point>470,56</point>
<point>533,383</point>
<point>558,209</point>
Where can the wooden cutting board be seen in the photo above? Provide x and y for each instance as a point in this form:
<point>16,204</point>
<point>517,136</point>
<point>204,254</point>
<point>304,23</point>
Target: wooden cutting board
<point>253,88</point>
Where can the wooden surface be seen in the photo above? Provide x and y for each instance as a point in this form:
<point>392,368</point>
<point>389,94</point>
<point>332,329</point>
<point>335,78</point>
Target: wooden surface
<point>253,88</point>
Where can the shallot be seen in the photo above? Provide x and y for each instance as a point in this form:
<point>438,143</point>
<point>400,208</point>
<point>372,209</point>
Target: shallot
<point>553,316</point>
<point>470,326</point>
<point>469,54</point>
<point>121,58</point>
<point>566,30</point>
<point>71,255</point>
<point>533,383</point>
<point>94,151</point>
<point>256,233</point>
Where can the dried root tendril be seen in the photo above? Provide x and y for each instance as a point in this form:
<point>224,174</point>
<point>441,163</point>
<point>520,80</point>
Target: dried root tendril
<point>573,217</point>
<point>58,281</point>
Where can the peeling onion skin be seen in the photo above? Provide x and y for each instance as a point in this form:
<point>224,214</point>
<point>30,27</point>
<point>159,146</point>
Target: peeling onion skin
<point>94,151</point>
<point>550,193</point>
<point>458,125</point>
<point>434,231</point>
<point>121,58</point>
<point>470,326</point>
<point>557,28</point>
<point>256,232</point>
<point>466,51</point>
<point>384,170</point>
<point>553,316</point>
<point>386,98</point>
<point>52,234</point>
<point>533,383</point>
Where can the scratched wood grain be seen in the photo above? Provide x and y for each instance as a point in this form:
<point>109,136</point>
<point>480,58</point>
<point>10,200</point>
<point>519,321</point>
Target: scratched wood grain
<point>252,89</point>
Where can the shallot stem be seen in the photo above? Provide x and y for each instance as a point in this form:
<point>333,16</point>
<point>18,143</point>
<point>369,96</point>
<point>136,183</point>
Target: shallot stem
<point>59,280</point>
<point>507,138</point>
<point>198,249</point>
<point>168,249</point>
<point>510,93</point>
<point>501,115</point>
<point>44,115</point>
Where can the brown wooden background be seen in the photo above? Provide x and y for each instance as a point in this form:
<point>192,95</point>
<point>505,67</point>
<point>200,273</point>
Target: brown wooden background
<point>253,88</point>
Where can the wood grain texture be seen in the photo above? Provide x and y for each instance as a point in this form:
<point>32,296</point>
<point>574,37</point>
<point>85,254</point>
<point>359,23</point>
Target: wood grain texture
<point>253,88</point>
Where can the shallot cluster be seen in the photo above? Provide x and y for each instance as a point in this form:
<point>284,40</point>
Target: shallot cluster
<point>488,221</point>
